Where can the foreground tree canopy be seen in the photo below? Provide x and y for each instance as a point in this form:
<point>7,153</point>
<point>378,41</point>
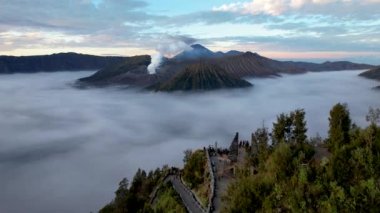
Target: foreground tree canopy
<point>135,197</point>
<point>285,171</point>
<point>291,174</point>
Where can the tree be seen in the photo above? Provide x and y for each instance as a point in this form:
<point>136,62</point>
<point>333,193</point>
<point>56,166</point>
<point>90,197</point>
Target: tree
<point>281,129</point>
<point>299,126</point>
<point>373,116</point>
<point>260,146</point>
<point>194,169</point>
<point>122,195</point>
<point>340,124</point>
<point>187,155</point>
<point>293,180</point>
<point>290,128</point>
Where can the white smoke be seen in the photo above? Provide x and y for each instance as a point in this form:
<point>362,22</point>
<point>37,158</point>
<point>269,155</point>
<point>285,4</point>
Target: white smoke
<point>169,47</point>
<point>155,63</point>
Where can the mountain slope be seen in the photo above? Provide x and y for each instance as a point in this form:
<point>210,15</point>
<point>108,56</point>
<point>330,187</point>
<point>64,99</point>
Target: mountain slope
<point>132,71</point>
<point>235,64</point>
<point>255,65</point>
<point>372,74</point>
<point>202,76</point>
<point>55,62</point>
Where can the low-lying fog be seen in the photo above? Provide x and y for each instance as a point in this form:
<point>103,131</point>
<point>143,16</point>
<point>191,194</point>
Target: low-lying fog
<point>65,150</point>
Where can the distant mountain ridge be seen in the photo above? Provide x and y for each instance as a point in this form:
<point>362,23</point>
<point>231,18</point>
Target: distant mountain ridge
<point>132,71</point>
<point>236,64</point>
<point>250,64</point>
<point>55,62</point>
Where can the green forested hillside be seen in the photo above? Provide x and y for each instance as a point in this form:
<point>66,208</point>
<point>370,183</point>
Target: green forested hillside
<point>285,171</point>
<point>291,176</point>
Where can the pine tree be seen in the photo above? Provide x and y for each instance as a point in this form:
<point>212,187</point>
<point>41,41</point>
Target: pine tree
<point>281,129</point>
<point>299,126</point>
<point>260,146</point>
<point>340,124</point>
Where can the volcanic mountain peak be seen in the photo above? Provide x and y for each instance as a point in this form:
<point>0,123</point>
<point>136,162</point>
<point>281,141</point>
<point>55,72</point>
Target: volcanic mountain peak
<point>200,52</point>
<point>200,47</point>
<point>197,52</point>
<point>251,54</point>
<point>233,53</point>
<point>202,76</point>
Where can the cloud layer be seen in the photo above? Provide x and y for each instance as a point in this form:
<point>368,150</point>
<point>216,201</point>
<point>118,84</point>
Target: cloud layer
<point>278,7</point>
<point>132,27</point>
<point>64,150</point>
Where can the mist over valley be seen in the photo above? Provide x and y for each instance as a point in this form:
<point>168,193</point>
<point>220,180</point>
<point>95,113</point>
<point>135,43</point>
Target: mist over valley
<point>63,143</point>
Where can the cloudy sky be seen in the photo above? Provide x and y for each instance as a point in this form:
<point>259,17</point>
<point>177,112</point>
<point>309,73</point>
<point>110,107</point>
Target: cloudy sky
<point>312,30</point>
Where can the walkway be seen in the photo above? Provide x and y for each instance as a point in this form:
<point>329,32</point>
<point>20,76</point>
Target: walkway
<point>187,196</point>
<point>224,177</point>
<point>222,182</point>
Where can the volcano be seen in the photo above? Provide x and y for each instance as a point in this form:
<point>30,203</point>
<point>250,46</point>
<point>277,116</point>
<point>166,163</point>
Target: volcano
<point>202,76</point>
<point>133,70</point>
<point>196,52</point>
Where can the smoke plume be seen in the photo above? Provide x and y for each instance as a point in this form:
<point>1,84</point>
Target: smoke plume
<point>169,47</point>
<point>155,63</point>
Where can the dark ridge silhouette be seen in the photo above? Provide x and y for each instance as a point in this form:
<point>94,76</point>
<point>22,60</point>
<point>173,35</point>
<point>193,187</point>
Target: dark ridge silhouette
<point>130,70</point>
<point>253,64</point>
<point>338,65</point>
<point>372,74</point>
<point>202,76</point>
<point>55,62</point>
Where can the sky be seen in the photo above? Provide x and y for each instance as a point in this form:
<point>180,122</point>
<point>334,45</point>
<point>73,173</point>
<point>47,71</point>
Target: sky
<point>306,30</point>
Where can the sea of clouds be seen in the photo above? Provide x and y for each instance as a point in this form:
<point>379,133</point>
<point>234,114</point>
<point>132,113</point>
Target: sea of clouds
<point>64,149</point>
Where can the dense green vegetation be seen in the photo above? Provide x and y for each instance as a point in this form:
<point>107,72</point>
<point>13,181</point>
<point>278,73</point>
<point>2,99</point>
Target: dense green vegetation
<point>194,170</point>
<point>168,200</point>
<point>285,171</point>
<point>135,197</point>
<point>196,174</point>
<point>289,177</point>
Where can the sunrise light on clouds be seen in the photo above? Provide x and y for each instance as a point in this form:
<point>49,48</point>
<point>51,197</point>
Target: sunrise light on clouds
<point>315,30</point>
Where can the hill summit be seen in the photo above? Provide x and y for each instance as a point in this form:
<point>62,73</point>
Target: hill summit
<point>372,74</point>
<point>202,76</point>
